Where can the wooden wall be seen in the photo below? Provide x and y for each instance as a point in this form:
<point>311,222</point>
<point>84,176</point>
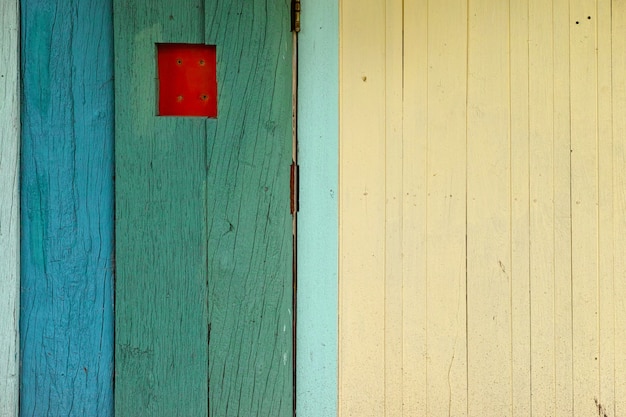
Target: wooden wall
<point>67,208</point>
<point>243,221</point>
<point>482,203</point>
<point>9,207</point>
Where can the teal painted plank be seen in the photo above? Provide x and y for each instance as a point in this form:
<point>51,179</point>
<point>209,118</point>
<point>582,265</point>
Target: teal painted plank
<point>250,226</point>
<point>203,229</point>
<point>9,208</point>
<point>161,298</point>
<point>318,145</point>
<point>67,196</point>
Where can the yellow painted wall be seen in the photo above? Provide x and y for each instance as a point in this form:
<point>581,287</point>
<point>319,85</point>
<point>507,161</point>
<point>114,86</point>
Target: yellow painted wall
<point>482,208</point>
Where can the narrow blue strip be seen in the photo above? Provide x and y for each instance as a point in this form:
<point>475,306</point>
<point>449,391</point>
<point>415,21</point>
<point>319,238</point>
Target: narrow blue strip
<point>318,132</point>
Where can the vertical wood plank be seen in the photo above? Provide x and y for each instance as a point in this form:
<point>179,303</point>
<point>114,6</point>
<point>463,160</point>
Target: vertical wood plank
<point>318,145</point>
<point>584,186</point>
<point>606,283</point>
<point>618,30</point>
<point>562,211</point>
<point>446,208</point>
<point>67,206</point>
<point>541,232</point>
<point>394,387</point>
<point>161,330</point>
<point>362,208</point>
<point>9,207</point>
<point>250,252</point>
<point>415,156</point>
<point>520,209</point>
<point>488,211</point>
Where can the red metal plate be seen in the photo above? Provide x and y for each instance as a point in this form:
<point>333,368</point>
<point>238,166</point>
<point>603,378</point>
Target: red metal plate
<point>187,79</point>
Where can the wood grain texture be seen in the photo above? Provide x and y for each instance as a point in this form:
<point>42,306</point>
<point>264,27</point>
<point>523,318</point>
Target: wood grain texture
<point>204,282</point>
<point>9,208</point>
<point>160,319</point>
<point>249,152</point>
<point>67,207</point>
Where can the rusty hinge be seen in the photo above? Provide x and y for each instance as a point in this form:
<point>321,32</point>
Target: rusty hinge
<point>295,15</point>
<point>295,186</point>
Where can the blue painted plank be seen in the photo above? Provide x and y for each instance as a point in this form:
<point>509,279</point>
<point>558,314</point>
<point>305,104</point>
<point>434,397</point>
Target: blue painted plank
<point>9,207</point>
<point>318,132</point>
<point>67,208</point>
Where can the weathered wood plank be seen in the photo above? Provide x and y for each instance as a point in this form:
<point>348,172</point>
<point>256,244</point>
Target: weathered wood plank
<point>446,171</point>
<point>161,332</point>
<point>9,207</point>
<point>250,250</point>
<point>204,240</point>
<point>488,211</point>
<point>67,207</point>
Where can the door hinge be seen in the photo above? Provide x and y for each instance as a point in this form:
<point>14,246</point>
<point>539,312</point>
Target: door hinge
<point>295,16</point>
<point>295,187</point>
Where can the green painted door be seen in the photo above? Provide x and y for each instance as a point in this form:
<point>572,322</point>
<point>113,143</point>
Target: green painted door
<point>203,226</point>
